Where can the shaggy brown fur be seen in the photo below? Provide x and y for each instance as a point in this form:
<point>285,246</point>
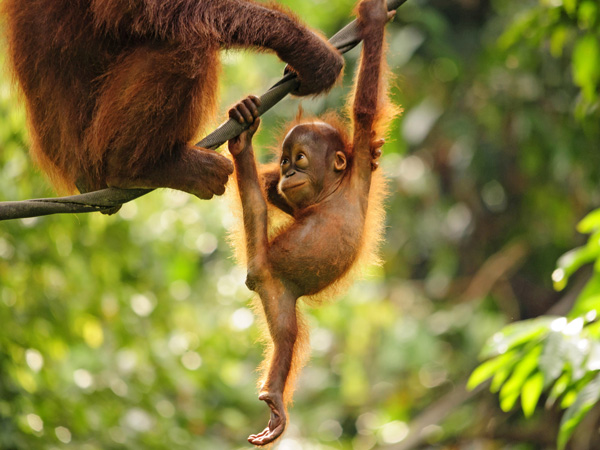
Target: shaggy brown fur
<point>324,182</point>
<point>116,90</point>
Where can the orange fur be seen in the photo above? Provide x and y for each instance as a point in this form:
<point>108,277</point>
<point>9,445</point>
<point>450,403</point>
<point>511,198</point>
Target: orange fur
<point>368,255</point>
<point>331,196</point>
<point>368,248</point>
<point>300,357</point>
<point>116,90</point>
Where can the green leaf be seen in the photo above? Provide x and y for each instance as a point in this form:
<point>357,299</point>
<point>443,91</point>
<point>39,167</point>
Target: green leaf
<point>499,379</point>
<point>516,334</point>
<point>575,356</point>
<point>586,65</point>
<point>585,400</point>
<point>552,359</point>
<point>586,304</point>
<point>508,400</point>
<point>571,261</point>
<point>515,32</point>
<point>590,223</point>
<point>512,388</point>
<point>530,394</point>
<point>593,329</point>
<point>559,387</point>
<point>570,6</point>
<point>587,14</point>
<point>588,298</point>
<point>482,373</point>
<point>569,398</point>
<point>558,39</point>
<point>488,368</point>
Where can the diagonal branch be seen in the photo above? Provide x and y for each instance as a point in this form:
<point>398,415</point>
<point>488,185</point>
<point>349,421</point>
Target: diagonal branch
<point>106,199</point>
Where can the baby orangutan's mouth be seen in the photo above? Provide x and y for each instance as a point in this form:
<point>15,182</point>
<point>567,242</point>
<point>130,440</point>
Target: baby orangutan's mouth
<point>294,186</point>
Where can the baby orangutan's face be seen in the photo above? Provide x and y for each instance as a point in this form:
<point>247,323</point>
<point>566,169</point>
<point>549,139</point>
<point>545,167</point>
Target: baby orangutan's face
<point>309,163</point>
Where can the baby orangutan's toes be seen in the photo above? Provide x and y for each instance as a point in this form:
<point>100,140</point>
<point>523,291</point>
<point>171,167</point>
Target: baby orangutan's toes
<point>376,152</point>
<point>376,145</point>
<point>276,423</point>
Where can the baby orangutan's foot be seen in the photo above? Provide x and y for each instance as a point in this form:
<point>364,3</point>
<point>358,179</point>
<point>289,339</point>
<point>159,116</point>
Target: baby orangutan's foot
<point>276,423</point>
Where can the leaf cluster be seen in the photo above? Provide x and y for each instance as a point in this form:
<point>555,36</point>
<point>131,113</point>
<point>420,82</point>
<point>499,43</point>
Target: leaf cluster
<point>557,355</point>
<point>569,29</point>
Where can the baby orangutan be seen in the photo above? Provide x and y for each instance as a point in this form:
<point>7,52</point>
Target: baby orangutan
<point>324,179</point>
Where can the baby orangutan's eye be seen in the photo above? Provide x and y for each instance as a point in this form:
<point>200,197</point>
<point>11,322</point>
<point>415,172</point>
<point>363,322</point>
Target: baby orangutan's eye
<point>285,161</point>
<point>301,161</point>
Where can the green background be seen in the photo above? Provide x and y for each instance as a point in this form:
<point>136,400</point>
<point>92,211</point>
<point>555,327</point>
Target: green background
<point>134,331</point>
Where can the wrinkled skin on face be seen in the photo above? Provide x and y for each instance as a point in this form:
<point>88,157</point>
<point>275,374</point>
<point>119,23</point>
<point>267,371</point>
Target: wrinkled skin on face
<point>312,164</point>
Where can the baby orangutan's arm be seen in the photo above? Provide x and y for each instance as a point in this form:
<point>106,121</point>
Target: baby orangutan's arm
<point>278,302</point>
<point>254,205</point>
<point>370,86</point>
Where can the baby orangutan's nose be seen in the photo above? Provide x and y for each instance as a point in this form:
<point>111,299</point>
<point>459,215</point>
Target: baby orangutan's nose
<point>290,173</point>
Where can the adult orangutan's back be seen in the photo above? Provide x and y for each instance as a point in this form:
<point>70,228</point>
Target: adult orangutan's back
<point>48,61</point>
<point>116,90</point>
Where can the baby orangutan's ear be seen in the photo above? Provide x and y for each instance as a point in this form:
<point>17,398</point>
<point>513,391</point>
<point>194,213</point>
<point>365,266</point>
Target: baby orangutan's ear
<point>340,161</point>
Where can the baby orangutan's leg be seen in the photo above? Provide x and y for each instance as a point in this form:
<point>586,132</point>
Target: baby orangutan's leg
<point>283,326</point>
<point>278,301</point>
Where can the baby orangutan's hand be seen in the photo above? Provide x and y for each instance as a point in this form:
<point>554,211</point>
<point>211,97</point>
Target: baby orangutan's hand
<point>245,111</point>
<point>373,12</point>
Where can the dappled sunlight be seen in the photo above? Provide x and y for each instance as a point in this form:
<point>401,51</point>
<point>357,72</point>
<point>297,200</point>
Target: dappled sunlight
<point>136,330</point>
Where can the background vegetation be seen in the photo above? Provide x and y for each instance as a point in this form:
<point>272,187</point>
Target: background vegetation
<point>133,331</point>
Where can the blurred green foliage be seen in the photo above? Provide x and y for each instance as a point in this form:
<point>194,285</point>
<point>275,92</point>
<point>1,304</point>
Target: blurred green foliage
<point>133,331</point>
<point>558,354</point>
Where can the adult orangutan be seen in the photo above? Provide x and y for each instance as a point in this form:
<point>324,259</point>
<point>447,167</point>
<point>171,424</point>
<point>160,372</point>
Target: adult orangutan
<point>324,182</point>
<point>116,89</point>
